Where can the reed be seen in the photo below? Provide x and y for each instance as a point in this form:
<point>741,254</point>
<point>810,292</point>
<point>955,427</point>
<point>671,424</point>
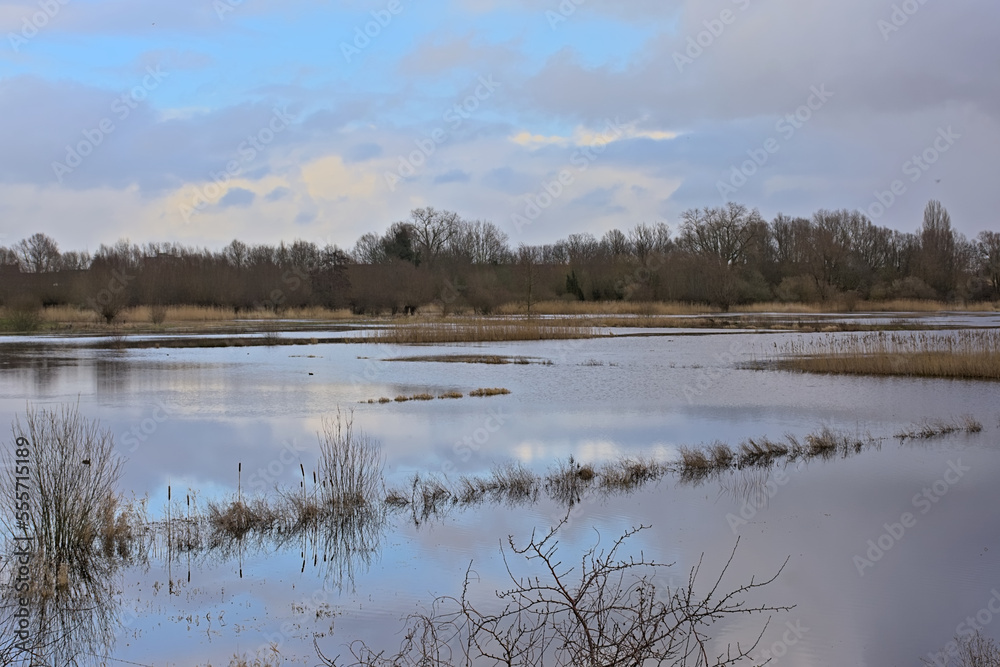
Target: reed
<point>628,473</point>
<point>967,354</point>
<point>934,428</point>
<point>477,331</point>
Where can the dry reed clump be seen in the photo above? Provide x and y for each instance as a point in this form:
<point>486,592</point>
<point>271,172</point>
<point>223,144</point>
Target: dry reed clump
<point>722,455</point>
<point>427,496</point>
<point>967,354</point>
<point>476,331</point>
<point>628,473</point>
<point>350,465</point>
<point>404,399</point>
<point>495,391</point>
<point>694,461</point>
<point>451,394</point>
<point>570,478</point>
<point>512,482</point>
<point>238,517</point>
<point>933,428</point>
<point>121,526</point>
<point>761,451</point>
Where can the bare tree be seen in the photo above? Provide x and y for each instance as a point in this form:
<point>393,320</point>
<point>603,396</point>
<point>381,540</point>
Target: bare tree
<point>369,249</point>
<point>432,229</point>
<point>722,233</point>
<point>479,242</point>
<point>38,254</point>
<point>237,254</point>
<point>616,244</point>
<point>988,250</point>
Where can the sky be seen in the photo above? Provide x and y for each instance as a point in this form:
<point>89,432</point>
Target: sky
<point>201,121</point>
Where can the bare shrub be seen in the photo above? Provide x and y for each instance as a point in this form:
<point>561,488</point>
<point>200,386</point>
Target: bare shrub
<point>350,464</point>
<point>973,651</point>
<point>609,610</point>
<point>157,314</point>
<point>72,474</point>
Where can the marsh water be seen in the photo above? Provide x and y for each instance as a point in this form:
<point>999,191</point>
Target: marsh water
<point>213,419</point>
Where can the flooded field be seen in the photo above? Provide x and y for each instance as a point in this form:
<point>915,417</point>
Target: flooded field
<point>888,550</point>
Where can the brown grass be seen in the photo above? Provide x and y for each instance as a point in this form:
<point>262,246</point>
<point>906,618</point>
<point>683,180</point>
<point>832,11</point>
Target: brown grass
<point>451,394</point>
<point>694,460</point>
<point>491,359</point>
<point>495,391</point>
<point>511,482</point>
<point>933,428</point>
<point>477,331</point>
<point>970,354</point>
<point>236,519</point>
<point>608,308</point>
<point>628,473</point>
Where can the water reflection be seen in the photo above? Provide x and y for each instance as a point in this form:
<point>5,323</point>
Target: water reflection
<point>341,545</point>
<point>66,613</point>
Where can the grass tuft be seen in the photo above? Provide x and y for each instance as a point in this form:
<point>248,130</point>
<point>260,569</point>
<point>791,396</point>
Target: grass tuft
<point>933,428</point>
<point>496,391</point>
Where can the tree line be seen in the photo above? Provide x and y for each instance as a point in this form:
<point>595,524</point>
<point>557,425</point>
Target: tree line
<point>721,256</point>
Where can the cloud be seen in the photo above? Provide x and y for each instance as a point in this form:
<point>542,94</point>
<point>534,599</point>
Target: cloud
<point>277,194</point>
<point>453,176</point>
<point>363,152</point>
<point>680,128</point>
<point>237,197</point>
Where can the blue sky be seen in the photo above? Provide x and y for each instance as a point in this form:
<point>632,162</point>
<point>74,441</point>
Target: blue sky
<point>201,121</point>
